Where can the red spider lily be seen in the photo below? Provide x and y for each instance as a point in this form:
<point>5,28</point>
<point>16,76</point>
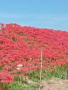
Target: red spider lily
<point>22,46</point>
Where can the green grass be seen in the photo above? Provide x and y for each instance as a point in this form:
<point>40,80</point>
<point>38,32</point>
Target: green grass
<point>35,76</point>
<point>59,72</point>
<point>23,86</point>
<point>15,86</point>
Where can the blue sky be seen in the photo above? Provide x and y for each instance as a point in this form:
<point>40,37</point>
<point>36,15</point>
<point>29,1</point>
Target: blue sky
<point>37,13</point>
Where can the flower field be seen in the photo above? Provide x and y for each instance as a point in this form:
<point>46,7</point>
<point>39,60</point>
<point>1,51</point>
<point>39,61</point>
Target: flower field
<point>24,50</point>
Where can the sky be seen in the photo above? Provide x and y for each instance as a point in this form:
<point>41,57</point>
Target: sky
<point>51,14</point>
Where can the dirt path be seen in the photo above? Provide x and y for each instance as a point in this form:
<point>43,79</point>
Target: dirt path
<point>55,84</point>
<point>52,84</point>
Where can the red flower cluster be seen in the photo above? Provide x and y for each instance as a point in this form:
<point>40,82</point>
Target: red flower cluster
<point>20,49</point>
<point>6,77</point>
